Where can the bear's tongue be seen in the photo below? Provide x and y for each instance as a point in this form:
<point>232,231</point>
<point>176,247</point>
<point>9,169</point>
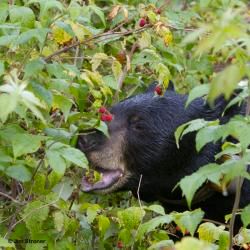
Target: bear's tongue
<point>109,177</point>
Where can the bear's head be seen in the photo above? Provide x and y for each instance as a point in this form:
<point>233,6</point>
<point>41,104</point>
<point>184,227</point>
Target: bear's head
<point>141,145</point>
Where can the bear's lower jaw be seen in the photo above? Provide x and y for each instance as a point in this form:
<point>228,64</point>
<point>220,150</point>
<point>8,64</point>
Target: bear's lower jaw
<point>108,179</point>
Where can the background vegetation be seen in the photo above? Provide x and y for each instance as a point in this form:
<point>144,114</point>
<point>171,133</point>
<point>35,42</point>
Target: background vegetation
<point>60,61</point>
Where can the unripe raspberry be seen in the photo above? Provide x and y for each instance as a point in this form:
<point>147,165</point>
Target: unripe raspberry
<point>158,90</point>
<point>142,22</point>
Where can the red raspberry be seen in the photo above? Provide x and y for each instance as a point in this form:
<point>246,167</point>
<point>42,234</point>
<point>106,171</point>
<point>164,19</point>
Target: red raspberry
<point>109,118</point>
<point>119,244</point>
<point>106,117</point>
<point>158,90</point>
<point>102,110</point>
<point>142,22</point>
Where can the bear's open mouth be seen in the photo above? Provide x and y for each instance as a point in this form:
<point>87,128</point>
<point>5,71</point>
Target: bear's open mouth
<point>108,178</point>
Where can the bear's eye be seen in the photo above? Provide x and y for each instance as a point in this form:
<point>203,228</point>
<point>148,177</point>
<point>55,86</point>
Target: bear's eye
<point>136,123</point>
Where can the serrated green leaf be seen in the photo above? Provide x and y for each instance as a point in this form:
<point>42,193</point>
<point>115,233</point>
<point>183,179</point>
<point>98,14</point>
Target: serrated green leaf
<point>33,67</point>
<point>117,69</point>
<point>103,224</point>
<point>245,216</point>
<point>43,93</point>
<point>58,220</point>
<point>35,213</point>
<point>7,105</point>
<point>25,143</point>
<point>156,208</point>
<point>190,184</point>
<point>23,15</point>
<point>163,244</point>
<point>6,244</point>
<point>7,40</point>
<point>225,82</point>
<point>188,220</point>
<point>206,135</point>
<point>152,224</point>
<point>56,161</point>
<point>62,103</point>
<point>131,217</point>
<point>196,92</point>
<point>188,243</point>
<point>2,68</point>
<point>75,156</point>
<point>19,172</point>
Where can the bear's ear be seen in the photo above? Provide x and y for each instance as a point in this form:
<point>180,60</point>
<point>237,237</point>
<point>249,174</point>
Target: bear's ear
<point>171,86</point>
<point>152,86</point>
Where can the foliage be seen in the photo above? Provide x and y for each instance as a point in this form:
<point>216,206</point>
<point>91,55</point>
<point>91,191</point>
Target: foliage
<point>60,61</point>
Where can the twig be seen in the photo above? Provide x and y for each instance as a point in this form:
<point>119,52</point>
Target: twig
<point>125,70</point>
<point>138,192</point>
<point>10,198</point>
<point>125,33</point>
<point>238,193</point>
<point>234,211</point>
<point>31,212</point>
<point>139,200</point>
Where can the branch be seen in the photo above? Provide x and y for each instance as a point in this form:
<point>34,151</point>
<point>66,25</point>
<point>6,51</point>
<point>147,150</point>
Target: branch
<point>238,193</point>
<point>10,198</point>
<point>105,34</point>
<point>125,70</point>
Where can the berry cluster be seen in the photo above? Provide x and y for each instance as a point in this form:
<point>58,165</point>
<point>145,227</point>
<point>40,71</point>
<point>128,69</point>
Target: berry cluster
<point>105,115</point>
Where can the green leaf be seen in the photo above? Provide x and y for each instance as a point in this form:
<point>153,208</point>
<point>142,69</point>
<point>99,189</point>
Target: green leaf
<point>225,82</point>
<point>188,243</point>
<point>39,34</point>
<point>103,224</point>
<point>206,135</point>
<point>163,244</point>
<point>35,213</point>
<point>19,172</point>
<point>190,184</point>
<point>62,103</point>
<point>2,68</point>
<point>188,127</point>
<point>33,67</point>
<point>117,69</point>
<point>43,93</point>
<point>196,92</point>
<point>23,15</point>
<point>58,220</point>
<point>6,244</point>
<point>156,208</point>
<point>131,217</point>
<point>25,143</point>
<point>152,224</point>
<point>208,232</point>
<point>66,27</point>
<point>245,216</point>
<point>103,128</point>
<point>7,40</point>
<point>56,161</point>
<point>7,105</point>
<point>99,12</point>
<point>188,220</point>
<point>75,156</point>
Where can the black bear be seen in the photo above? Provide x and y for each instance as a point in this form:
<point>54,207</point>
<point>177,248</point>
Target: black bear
<point>142,145</point>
